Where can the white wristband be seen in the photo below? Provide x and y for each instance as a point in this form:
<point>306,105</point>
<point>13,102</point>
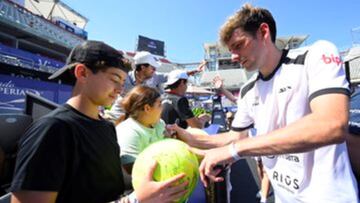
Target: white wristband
<point>233,152</point>
<point>132,198</point>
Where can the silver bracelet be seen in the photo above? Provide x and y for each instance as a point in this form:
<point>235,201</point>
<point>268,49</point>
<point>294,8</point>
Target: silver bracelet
<point>233,152</point>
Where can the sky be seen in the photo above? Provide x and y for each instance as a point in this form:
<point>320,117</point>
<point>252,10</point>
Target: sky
<point>185,25</point>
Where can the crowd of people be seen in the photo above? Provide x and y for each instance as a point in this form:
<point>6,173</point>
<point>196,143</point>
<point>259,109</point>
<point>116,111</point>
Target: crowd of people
<point>293,114</point>
<point>101,77</point>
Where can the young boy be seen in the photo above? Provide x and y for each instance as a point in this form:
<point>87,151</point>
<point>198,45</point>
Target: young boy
<point>71,154</point>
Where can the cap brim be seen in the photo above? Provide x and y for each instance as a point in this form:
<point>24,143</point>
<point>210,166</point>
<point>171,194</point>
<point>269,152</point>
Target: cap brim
<point>170,82</point>
<point>155,64</point>
<point>63,73</point>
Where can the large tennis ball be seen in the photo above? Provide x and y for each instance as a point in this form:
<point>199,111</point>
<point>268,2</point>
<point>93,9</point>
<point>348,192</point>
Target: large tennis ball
<point>173,158</point>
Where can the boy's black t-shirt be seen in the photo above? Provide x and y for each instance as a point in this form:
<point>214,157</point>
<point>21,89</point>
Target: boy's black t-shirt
<point>72,154</point>
<point>176,109</point>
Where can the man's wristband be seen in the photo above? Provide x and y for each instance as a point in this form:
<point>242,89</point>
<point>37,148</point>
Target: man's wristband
<point>132,198</point>
<point>233,152</point>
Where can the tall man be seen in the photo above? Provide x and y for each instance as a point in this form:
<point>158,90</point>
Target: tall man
<point>298,104</point>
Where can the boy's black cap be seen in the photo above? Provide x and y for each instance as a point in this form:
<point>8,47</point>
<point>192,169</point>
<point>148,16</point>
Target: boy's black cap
<point>89,53</point>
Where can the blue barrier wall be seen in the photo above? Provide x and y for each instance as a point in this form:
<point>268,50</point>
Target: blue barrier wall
<point>28,60</point>
<point>13,90</point>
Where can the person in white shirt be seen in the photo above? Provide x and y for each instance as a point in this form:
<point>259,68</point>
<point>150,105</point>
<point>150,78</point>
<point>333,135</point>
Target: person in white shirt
<point>298,104</point>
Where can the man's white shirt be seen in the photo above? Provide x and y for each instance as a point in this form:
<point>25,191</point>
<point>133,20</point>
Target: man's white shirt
<point>267,104</point>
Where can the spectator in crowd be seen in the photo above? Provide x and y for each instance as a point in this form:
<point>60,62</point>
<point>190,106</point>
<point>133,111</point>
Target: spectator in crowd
<point>72,154</point>
<point>144,74</point>
<point>176,107</point>
<point>219,85</point>
<point>143,126</point>
<point>229,117</point>
<point>298,104</point>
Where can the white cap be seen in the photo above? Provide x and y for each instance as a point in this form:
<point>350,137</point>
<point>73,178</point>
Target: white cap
<point>176,75</point>
<point>144,57</point>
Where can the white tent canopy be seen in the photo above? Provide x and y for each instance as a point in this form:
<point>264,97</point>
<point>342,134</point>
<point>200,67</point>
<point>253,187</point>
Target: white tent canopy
<point>291,42</point>
<point>198,90</point>
<point>233,78</point>
<point>55,8</point>
<point>353,58</point>
<point>354,53</point>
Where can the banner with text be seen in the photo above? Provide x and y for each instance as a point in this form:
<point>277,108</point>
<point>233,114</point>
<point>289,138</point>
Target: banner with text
<point>13,90</point>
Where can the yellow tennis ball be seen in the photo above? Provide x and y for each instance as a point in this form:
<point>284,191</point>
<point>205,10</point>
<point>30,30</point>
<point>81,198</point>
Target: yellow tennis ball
<point>173,158</point>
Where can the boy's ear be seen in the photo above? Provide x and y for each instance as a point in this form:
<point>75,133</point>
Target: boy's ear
<point>80,72</point>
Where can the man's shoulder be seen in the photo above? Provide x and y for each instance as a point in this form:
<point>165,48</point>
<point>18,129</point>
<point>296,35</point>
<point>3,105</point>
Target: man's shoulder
<point>325,50</point>
<point>156,80</point>
<point>322,43</point>
<point>161,77</point>
<point>319,45</point>
<point>177,99</point>
<point>183,100</point>
<point>168,95</point>
<point>249,85</point>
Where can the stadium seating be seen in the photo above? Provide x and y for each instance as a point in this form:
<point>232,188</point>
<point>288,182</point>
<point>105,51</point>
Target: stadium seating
<point>25,20</point>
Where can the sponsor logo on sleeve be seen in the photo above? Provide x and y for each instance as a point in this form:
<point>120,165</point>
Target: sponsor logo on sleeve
<point>331,59</point>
